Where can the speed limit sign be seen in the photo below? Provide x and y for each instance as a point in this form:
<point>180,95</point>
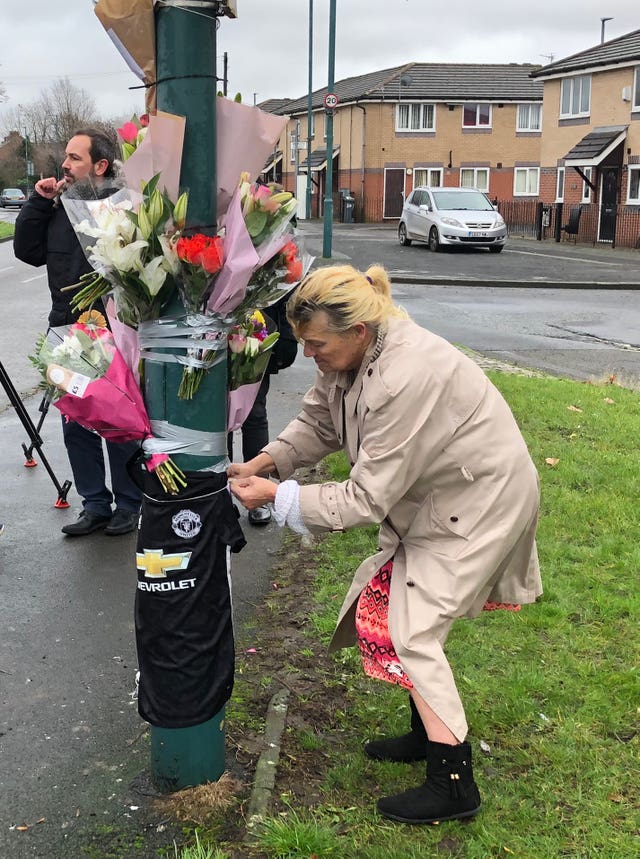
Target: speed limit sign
<point>331,101</point>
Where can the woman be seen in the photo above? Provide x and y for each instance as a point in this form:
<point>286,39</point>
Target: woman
<point>438,460</point>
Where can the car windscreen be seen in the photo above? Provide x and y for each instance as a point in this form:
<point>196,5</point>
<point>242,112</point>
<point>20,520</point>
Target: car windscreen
<point>475,200</point>
<point>12,192</point>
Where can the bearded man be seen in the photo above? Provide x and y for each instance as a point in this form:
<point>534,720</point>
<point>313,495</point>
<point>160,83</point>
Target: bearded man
<point>44,236</point>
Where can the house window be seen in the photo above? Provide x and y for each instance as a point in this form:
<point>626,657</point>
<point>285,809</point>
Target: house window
<point>292,147</point>
<point>560,185</point>
<point>575,96</point>
<point>526,181</point>
<point>476,115</point>
<point>430,178</point>
<point>415,117</point>
<point>475,177</point>
<point>633,189</point>
<point>636,89</point>
<point>586,190</point>
<point>529,117</point>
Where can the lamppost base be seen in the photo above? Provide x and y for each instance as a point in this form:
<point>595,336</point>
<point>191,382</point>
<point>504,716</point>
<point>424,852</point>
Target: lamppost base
<point>186,757</point>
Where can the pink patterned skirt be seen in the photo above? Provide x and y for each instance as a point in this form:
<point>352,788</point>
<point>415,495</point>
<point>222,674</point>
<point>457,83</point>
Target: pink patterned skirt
<point>379,658</point>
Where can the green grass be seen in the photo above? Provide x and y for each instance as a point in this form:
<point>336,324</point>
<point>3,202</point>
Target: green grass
<point>552,690</point>
<point>6,230</point>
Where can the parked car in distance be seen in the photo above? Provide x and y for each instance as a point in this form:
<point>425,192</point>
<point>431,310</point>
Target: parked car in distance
<point>12,197</point>
<point>451,216</point>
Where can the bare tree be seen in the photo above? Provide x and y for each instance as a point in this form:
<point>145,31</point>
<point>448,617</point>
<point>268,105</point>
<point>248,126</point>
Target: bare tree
<point>54,115</point>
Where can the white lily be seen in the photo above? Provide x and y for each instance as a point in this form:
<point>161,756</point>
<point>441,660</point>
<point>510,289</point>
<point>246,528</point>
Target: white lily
<point>153,275</point>
<point>172,261</point>
<point>113,252</point>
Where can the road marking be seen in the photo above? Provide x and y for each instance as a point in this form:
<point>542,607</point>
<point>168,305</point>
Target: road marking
<point>35,277</point>
<point>8,268</point>
<point>555,256</point>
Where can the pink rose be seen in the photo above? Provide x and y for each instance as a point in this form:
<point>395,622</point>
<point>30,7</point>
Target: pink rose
<point>237,342</point>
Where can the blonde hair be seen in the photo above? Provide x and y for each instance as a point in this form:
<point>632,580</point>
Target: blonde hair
<point>347,296</point>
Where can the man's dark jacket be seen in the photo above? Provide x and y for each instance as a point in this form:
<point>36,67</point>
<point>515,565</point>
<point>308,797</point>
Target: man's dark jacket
<point>44,235</point>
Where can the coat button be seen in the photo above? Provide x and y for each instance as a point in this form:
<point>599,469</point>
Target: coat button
<point>369,372</point>
<point>411,584</point>
<point>453,518</point>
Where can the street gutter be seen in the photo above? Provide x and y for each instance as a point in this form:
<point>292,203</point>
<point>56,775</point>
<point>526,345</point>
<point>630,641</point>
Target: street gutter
<point>419,280</point>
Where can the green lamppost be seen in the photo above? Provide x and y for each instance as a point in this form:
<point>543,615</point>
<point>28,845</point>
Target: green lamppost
<point>328,191</point>
<point>186,75</point>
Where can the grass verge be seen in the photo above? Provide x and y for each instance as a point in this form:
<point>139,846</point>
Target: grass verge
<point>552,692</point>
<point>6,230</point>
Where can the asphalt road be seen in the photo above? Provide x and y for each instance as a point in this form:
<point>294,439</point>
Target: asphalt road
<point>70,738</point>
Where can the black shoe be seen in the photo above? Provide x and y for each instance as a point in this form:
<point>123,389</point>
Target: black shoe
<point>122,522</point>
<point>260,516</point>
<point>86,523</point>
<point>449,793</point>
<point>404,749</point>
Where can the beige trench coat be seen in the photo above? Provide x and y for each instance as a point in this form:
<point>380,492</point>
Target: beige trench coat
<point>438,460</point>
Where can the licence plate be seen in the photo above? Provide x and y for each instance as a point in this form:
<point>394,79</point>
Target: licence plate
<point>477,235</point>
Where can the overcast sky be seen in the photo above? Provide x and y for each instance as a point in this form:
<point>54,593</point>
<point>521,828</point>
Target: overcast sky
<point>267,45</point>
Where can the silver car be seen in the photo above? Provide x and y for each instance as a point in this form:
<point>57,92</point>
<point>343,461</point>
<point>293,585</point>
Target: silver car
<point>12,197</point>
<point>451,216</point>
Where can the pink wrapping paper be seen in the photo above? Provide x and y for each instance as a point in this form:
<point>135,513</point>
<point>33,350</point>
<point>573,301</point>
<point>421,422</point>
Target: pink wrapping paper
<point>240,402</point>
<point>159,152</point>
<point>113,399</point>
<point>125,339</point>
<point>240,260</point>
<point>245,138</point>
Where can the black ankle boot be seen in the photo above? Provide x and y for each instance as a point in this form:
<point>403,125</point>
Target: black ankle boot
<point>405,749</point>
<point>448,793</point>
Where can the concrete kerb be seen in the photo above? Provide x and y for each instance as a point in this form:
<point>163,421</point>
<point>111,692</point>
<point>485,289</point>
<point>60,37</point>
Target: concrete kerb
<point>265,777</point>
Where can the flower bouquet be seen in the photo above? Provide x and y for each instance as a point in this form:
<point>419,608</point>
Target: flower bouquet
<point>132,133</point>
<point>267,211</point>
<point>201,259</point>
<point>131,248</point>
<point>89,382</point>
<point>250,345</point>
<point>277,277</point>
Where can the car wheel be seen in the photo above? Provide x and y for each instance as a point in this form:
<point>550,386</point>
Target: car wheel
<point>496,249</point>
<point>434,241</point>
<point>402,236</point>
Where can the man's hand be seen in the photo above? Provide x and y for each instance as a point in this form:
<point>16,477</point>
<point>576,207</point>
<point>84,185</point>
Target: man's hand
<point>49,188</point>
<point>253,492</point>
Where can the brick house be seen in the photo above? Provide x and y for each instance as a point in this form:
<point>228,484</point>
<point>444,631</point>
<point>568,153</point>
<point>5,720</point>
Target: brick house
<point>417,124</point>
<point>590,146</point>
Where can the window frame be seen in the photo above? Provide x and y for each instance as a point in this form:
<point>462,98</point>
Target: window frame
<point>423,105</point>
<point>571,82</point>
<point>634,169</point>
<point>586,190</point>
<point>527,128</point>
<point>561,171</point>
<point>475,178</point>
<point>428,171</point>
<point>478,104</point>
<point>635,93</point>
<point>528,171</point>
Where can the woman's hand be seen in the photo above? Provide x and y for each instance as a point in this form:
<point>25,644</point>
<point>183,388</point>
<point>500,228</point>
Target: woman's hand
<point>260,464</point>
<point>240,470</point>
<point>253,492</point>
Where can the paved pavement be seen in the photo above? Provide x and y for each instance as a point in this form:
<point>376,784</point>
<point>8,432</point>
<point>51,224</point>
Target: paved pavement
<point>70,737</point>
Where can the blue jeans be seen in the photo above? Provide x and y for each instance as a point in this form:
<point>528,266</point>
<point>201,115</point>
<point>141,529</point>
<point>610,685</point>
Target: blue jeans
<point>86,457</point>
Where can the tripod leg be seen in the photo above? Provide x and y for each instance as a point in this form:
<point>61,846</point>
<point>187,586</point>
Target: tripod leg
<point>43,408</point>
<point>32,432</point>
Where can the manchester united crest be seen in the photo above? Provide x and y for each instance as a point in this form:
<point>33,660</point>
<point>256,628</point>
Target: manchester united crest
<point>186,524</point>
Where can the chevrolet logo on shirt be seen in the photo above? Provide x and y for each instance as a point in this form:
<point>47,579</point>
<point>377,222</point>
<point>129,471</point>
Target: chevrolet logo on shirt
<point>156,564</point>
